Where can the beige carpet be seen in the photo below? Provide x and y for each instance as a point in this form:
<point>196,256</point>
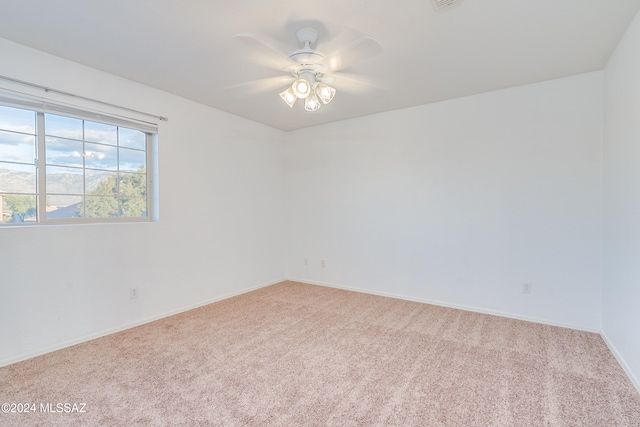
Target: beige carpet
<point>294,354</point>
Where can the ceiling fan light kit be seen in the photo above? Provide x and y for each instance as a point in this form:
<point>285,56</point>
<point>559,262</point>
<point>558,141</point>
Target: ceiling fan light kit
<point>308,73</point>
<point>308,88</point>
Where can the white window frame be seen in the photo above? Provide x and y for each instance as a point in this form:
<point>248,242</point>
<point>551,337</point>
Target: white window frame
<point>40,107</point>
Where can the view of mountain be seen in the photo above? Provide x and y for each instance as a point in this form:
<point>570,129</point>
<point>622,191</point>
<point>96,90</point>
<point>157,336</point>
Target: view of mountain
<point>23,182</point>
<point>16,181</point>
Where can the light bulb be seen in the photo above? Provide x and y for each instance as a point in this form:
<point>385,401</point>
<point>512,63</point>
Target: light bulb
<point>312,103</point>
<point>301,88</point>
<point>288,96</point>
<point>325,92</point>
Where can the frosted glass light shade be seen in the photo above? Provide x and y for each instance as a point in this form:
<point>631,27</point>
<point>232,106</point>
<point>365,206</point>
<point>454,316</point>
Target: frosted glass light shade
<point>288,96</point>
<point>301,88</point>
<point>325,93</point>
<point>312,103</point>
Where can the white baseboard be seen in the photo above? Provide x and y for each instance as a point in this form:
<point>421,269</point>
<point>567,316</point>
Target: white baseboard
<point>449,305</point>
<point>89,337</point>
<point>621,361</point>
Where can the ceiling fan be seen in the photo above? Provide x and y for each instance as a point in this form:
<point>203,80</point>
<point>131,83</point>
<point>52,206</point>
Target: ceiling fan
<point>309,75</point>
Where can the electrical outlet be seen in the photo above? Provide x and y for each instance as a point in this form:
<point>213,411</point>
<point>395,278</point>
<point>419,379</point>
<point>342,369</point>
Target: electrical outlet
<point>526,288</point>
<point>306,261</point>
<point>323,263</point>
<point>133,293</point>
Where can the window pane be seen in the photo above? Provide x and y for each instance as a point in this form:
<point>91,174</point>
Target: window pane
<point>101,207</point>
<point>65,127</point>
<point>133,206</point>
<point>132,190</point>
<point>17,178</point>
<point>100,183</point>
<point>17,208</point>
<point>99,132</point>
<point>98,156</point>
<point>61,207</point>
<point>17,120</point>
<point>132,138</point>
<point>132,160</point>
<point>17,147</point>
<point>64,180</point>
<point>132,184</point>
<point>63,152</point>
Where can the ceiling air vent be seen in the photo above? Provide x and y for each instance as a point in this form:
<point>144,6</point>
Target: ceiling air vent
<point>442,5</point>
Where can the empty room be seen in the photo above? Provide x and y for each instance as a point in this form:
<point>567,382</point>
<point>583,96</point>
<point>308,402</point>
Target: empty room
<point>408,213</point>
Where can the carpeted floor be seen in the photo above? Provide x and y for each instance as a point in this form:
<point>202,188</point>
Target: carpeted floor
<point>293,354</point>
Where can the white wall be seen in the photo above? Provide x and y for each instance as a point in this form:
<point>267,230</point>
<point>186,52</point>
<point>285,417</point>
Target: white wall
<point>621,170</point>
<point>221,228</point>
<point>458,202</point>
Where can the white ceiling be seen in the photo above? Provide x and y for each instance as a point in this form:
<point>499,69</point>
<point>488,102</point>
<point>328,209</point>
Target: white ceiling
<point>187,47</point>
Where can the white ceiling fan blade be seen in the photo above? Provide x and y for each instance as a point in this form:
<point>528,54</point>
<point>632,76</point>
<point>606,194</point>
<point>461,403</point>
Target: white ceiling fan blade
<point>268,52</point>
<point>355,84</point>
<point>350,54</point>
<point>276,84</point>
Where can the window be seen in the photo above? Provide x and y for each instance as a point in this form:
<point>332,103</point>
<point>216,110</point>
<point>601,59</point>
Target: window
<point>62,168</point>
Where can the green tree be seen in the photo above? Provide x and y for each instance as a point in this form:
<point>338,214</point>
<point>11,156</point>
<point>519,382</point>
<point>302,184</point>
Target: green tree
<point>118,195</point>
<point>20,206</point>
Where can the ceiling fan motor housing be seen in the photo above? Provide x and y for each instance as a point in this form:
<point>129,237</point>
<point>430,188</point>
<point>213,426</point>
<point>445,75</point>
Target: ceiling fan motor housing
<point>308,75</point>
<point>307,57</point>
